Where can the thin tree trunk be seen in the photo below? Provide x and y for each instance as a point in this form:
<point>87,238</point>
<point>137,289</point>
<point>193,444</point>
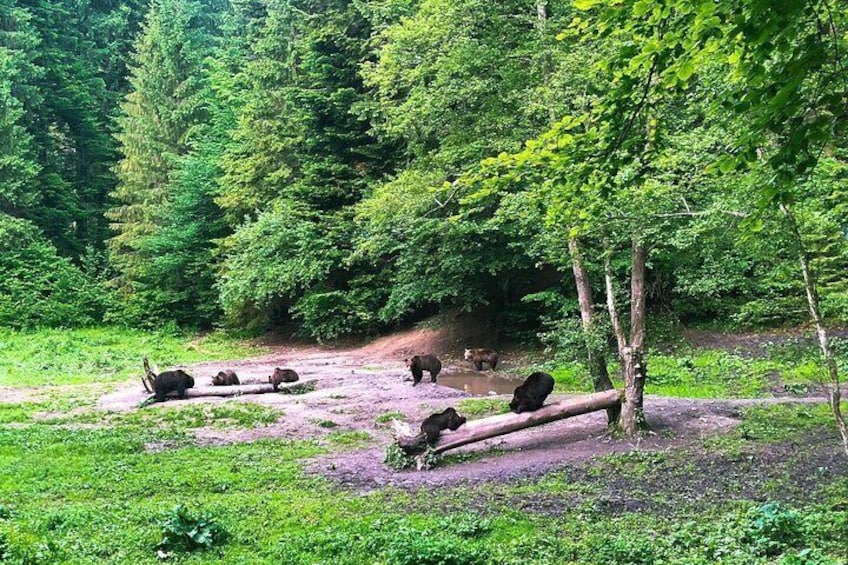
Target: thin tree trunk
<point>631,354</point>
<point>595,348</point>
<point>635,381</point>
<point>611,306</point>
<point>832,388</point>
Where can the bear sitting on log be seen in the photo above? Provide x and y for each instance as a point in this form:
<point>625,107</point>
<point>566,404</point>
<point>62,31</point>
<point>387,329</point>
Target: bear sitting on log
<point>169,381</point>
<point>531,395</point>
<point>225,378</point>
<point>283,376</point>
<point>433,425</point>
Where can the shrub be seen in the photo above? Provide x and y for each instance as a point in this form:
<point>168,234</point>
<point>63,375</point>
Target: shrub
<point>772,528</point>
<point>40,288</point>
<point>187,531</point>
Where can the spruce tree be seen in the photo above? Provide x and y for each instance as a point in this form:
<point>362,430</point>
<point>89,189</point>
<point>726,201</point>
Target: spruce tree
<point>18,165</point>
<point>302,157</point>
<point>166,103</point>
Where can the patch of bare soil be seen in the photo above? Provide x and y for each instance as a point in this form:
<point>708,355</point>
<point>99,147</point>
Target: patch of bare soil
<point>356,385</point>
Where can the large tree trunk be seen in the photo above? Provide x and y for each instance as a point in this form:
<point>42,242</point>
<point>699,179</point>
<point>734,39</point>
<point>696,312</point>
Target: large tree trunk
<point>832,385</point>
<point>493,426</point>
<point>595,345</point>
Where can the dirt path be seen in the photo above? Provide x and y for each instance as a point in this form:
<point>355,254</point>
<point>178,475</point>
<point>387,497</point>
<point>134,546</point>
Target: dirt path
<point>355,386</point>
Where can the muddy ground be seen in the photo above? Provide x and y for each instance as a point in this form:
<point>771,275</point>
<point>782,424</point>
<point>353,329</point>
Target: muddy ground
<point>355,385</point>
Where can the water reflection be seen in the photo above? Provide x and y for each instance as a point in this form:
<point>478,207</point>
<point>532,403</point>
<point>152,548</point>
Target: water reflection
<point>480,384</point>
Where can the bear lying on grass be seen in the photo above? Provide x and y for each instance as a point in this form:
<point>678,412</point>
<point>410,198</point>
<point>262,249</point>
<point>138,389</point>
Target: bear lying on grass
<point>531,395</point>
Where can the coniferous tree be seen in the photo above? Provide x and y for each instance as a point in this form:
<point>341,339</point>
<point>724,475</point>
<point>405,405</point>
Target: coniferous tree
<point>18,165</point>
<point>161,113</point>
<point>302,157</point>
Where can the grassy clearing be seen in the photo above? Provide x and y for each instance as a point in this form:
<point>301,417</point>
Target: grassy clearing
<point>97,496</point>
<point>87,487</point>
<point>57,357</point>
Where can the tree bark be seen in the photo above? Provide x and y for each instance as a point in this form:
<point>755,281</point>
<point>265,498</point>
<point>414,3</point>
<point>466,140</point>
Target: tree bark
<point>832,386</point>
<point>634,377</point>
<point>485,428</point>
<point>596,358</point>
<point>631,354</point>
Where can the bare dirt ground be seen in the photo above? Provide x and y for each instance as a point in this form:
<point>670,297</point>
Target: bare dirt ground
<point>355,385</point>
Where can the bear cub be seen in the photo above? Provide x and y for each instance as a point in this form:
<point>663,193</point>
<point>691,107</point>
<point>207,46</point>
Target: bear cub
<point>531,395</point>
<point>169,381</point>
<point>480,356</point>
<point>282,376</point>
<point>433,425</point>
<point>225,378</point>
<point>421,363</point>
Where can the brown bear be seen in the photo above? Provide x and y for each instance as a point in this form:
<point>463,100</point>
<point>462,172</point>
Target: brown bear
<point>282,376</point>
<point>225,378</point>
<point>531,395</point>
<point>480,356</point>
<point>433,425</point>
<point>168,381</point>
<point>421,363</point>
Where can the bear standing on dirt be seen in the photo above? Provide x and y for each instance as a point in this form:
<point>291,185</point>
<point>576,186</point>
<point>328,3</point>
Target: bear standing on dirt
<point>225,378</point>
<point>480,356</point>
<point>531,395</point>
<point>421,363</point>
<point>433,425</point>
<point>283,376</point>
<point>168,381</point>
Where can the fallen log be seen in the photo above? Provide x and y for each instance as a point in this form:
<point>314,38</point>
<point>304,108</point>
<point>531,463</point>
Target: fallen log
<point>299,387</point>
<point>493,426</point>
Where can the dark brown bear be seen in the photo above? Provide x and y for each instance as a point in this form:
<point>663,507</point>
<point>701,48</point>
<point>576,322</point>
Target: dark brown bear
<point>531,395</point>
<point>433,425</point>
<point>282,376</point>
<point>421,363</point>
<point>225,378</point>
<point>480,356</point>
<point>168,381</point>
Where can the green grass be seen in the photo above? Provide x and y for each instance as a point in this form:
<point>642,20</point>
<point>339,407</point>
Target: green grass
<point>82,486</point>
<point>705,373</point>
<point>59,357</point>
<point>387,417</point>
<point>99,496</point>
<point>480,407</point>
<point>349,438</point>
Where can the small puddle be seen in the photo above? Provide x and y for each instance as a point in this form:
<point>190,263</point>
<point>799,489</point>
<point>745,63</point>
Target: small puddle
<point>479,384</point>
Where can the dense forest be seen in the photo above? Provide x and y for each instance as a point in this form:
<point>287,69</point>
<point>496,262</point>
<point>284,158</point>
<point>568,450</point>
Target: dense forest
<point>343,167</point>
